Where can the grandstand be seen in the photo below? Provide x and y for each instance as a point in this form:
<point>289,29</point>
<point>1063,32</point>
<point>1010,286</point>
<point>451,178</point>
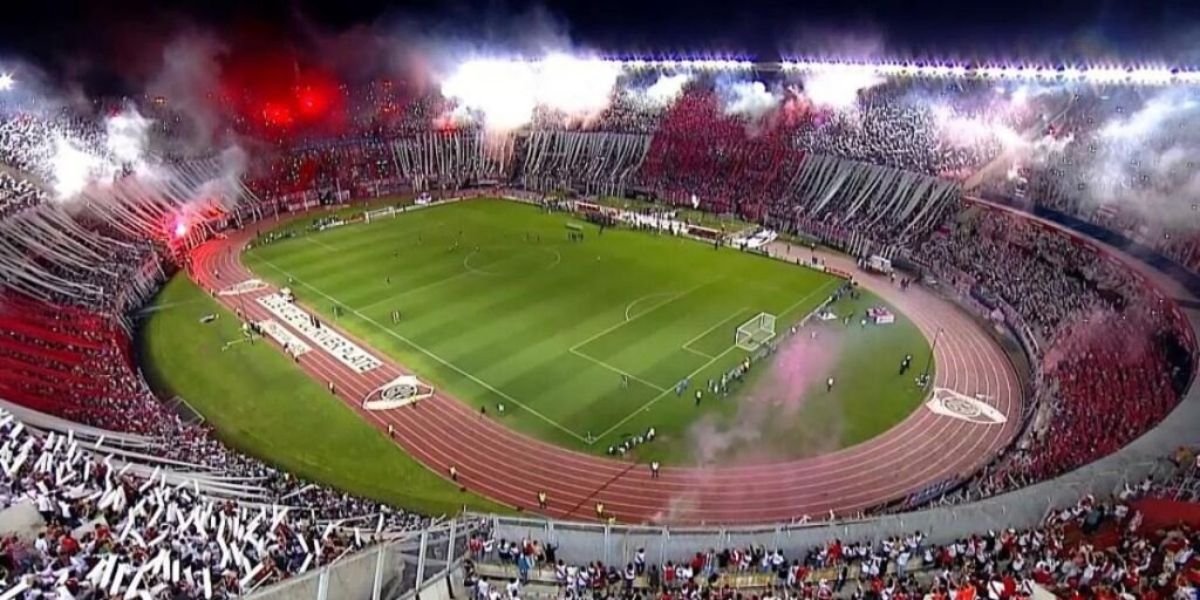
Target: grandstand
<point>1065,363</point>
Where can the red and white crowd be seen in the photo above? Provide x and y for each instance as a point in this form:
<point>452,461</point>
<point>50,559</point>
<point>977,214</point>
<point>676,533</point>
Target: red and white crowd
<point>1094,549</point>
<point>1111,358</point>
<point>1111,361</point>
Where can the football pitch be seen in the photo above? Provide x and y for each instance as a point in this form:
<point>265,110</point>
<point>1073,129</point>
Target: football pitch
<point>582,342</point>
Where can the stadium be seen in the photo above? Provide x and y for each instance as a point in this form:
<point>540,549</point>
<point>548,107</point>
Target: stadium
<point>569,324</point>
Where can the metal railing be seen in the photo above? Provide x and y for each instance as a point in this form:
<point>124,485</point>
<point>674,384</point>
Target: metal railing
<point>394,570</point>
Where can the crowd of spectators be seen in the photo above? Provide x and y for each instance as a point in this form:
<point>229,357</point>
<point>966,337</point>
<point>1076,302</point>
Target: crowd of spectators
<point>1184,483</point>
<point>944,128</point>
<point>28,141</point>
<point>17,194</point>
<point>76,364</point>
<point>1010,259</point>
<point>352,165</point>
<point>109,530</point>
<point>1089,550</point>
<point>1111,358</point>
<point>700,154</point>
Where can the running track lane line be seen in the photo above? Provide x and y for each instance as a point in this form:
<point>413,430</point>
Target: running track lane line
<point>577,474</point>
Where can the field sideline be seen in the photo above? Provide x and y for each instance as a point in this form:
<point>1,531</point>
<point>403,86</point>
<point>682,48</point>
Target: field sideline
<point>498,308</point>
<point>263,404</point>
<point>585,342</point>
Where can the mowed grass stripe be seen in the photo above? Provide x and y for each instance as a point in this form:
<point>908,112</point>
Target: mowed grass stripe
<point>351,241</point>
<point>426,352</point>
<point>523,369</point>
<point>817,294</point>
<point>262,403</point>
<point>507,335</point>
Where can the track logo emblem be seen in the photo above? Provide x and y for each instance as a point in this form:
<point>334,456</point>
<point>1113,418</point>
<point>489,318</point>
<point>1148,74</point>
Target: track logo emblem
<point>949,403</point>
<point>401,391</point>
<point>248,286</point>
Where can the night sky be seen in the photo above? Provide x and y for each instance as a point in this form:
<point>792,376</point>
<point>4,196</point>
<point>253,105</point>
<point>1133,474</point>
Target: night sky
<point>99,42</point>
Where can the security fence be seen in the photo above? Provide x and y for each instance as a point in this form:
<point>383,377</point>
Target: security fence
<point>424,562</point>
<point>418,562</point>
<point>1028,507</point>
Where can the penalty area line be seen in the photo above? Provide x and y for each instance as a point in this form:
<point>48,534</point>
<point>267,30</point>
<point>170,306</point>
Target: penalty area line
<point>657,388</point>
<point>711,361</point>
<point>319,243</point>
<point>688,344</point>
<point>437,358</point>
<point>670,297</point>
<point>696,352</point>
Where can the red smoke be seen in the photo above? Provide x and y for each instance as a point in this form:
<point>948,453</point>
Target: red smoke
<point>278,91</point>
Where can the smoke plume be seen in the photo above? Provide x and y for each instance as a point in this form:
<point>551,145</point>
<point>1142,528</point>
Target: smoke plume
<point>750,99</point>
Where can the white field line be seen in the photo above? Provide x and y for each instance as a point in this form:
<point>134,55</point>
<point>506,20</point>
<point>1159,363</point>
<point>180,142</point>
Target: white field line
<point>413,290</point>
<point>620,324</point>
<point>309,239</point>
<point>688,344</point>
<point>435,357</point>
<point>468,270</point>
<point>706,365</point>
<point>796,304</point>
<point>629,307</point>
<point>656,387</point>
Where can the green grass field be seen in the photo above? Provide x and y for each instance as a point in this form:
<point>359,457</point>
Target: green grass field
<point>263,404</point>
<point>499,308</point>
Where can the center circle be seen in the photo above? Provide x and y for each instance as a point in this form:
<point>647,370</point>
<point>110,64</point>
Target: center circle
<point>508,260</point>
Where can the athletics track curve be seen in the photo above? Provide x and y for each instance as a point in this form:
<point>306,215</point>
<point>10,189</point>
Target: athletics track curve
<point>497,462</point>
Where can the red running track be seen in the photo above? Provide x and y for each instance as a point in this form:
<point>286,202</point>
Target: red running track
<point>509,467</point>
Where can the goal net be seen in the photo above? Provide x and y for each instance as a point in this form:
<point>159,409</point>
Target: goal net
<point>379,213</point>
<point>752,334</point>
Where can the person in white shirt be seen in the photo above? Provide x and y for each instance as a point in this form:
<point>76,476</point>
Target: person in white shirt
<point>902,563</point>
<point>514,589</point>
<point>995,588</point>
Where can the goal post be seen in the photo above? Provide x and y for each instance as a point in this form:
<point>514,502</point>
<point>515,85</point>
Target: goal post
<point>752,334</point>
<point>379,213</point>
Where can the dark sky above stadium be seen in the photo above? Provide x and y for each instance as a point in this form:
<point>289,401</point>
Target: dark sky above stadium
<point>94,41</point>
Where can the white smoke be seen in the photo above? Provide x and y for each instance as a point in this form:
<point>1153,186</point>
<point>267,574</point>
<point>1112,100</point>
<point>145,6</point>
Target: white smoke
<point>75,164</point>
<point>128,138</point>
<point>506,92</point>
<point>749,98</point>
<point>959,129</point>
<point>1149,162</point>
<point>839,89</point>
<point>73,168</point>
<point>663,91</point>
<point>187,81</point>
<point>500,89</point>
